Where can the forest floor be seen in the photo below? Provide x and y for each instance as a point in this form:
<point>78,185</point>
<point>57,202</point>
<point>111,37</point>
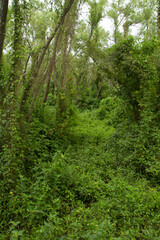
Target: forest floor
<point>104,198</point>
<point>81,189</point>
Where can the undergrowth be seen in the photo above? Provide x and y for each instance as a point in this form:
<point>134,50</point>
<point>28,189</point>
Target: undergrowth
<point>82,183</point>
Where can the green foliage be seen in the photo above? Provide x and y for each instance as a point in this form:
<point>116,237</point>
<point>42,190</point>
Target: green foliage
<point>77,188</point>
<point>88,100</point>
<point>87,173</point>
<point>136,144</point>
<point>107,107</point>
<point>135,72</point>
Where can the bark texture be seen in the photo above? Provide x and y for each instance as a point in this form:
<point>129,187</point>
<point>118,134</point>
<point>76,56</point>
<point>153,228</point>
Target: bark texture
<point>44,49</point>
<point>3,18</point>
<point>52,66</point>
<point>59,23</point>
<point>158,18</point>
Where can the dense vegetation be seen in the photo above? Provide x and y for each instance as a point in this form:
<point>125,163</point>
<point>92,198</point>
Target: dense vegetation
<point>79,120</point>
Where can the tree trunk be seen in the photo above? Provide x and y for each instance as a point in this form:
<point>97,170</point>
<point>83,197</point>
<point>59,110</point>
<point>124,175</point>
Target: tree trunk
<point>158,18</point>
<point>44,49</point>
<point>3,18</point>
<point>17,49</point>
<point>115,30</point>
<point>126,29</point>
<point>52,66</point>
<point>136,112</point>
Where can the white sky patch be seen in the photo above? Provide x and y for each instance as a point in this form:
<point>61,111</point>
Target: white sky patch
<point>106,23</point>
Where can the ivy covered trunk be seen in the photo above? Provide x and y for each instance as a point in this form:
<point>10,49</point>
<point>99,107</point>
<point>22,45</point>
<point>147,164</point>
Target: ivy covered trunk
<point>158,18</point>
<point>3,17</point>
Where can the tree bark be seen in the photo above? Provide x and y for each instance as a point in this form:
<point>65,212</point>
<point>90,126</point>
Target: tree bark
<point>3,18</point>
<point>158,18</point>
<point>64,59</point>
<point>17,50</point>
<point>52,66</point>
<point>44,49</point>
<point>115,30</point>
<point>126,26</point>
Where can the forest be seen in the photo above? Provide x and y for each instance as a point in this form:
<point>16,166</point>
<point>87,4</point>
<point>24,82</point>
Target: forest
<point>80,119</point>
